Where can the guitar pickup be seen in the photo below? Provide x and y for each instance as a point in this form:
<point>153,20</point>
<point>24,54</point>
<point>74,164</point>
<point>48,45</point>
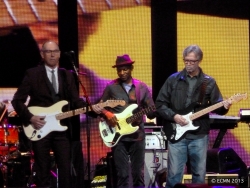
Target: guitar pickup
<point>104,133</point>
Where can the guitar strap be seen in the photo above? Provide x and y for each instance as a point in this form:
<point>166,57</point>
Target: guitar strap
<point>203,90</point>
<point>137,91</point>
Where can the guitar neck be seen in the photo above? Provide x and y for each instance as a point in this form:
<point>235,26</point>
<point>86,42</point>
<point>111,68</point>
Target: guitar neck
<point>205,111</point>
<point>78,111</point>
<point>70,113</point>
<point>111,103</point>
<point>139,114</point>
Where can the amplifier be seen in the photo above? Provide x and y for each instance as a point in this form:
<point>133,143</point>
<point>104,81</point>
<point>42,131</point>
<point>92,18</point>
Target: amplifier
<point>154,140</point>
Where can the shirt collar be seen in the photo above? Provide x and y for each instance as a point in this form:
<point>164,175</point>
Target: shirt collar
<point>196,76</point>
<point>133,82</point>
<point>48,69</point>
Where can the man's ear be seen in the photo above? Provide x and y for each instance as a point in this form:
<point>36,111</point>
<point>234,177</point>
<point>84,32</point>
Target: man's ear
<point>42,55</point>
<point>132,67</point>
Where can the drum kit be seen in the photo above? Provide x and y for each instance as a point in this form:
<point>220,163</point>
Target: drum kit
<point>16,161</point>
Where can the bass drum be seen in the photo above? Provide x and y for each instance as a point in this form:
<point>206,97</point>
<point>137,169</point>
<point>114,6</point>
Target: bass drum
<point>9,134</point>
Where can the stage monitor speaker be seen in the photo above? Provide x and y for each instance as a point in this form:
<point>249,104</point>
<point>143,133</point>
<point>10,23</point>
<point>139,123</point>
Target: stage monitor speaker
<point>155,168</point>
<point>225,161</point>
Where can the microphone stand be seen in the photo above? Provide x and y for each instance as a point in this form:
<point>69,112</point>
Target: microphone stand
<point>87,122</point>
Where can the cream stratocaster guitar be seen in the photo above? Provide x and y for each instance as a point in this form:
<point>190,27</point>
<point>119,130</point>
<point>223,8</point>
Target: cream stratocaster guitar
<point>180,131</point>
<point>54,115</point>
<point>111,135</point>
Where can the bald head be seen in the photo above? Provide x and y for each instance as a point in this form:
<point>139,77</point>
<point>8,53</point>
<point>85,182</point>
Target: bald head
<point>48,42</point>
<point>50,53</point>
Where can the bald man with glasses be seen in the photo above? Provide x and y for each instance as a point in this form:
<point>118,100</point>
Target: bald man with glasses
<point>46,85</point>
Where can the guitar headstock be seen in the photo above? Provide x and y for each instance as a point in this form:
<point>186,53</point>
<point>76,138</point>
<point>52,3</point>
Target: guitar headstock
<point>114,103</point>
<point>238,97</point>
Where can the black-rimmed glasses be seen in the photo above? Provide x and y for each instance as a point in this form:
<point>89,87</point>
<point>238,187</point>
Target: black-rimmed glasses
<point>186,61</point>
<point>51,51</point>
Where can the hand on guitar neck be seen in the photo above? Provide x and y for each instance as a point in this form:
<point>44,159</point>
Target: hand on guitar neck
<point>183,121</point>
<point>227,104</point>
<point>110,118</point>
<point>182,127</point>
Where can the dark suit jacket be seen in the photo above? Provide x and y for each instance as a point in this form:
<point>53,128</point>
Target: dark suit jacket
<point>37,86</point>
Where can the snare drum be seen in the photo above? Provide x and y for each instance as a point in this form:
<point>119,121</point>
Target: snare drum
<point>9,134</point>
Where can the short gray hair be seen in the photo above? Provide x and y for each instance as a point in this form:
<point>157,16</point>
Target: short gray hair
<point>195,49</point>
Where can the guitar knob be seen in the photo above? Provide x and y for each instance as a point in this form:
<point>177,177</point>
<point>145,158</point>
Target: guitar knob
<point>38,136</point>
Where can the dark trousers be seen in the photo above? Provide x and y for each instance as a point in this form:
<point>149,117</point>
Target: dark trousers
<point>136,152</point>
<point>59,143</point>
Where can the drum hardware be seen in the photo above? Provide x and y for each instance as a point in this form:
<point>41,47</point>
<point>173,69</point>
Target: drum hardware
<point>9,142</point>
<point>9,134</point>
<point>16,163</point>
<point>16,169</point>
<point>6,161</point>
<point>53,171</point>
<point>31,180</point>
<point>4,170</point>
<point>3,120</point>
<point>6,134</point>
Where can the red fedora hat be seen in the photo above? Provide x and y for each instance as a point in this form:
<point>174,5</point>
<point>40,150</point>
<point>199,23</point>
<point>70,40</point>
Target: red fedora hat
<point>123,60</point>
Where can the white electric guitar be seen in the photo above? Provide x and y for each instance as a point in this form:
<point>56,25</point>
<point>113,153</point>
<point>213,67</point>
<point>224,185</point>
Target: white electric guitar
<point>180,131</point>
<point>53,115</point>
<point>111,135</point>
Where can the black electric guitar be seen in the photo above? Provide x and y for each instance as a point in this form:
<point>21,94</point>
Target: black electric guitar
<point>179,131</point>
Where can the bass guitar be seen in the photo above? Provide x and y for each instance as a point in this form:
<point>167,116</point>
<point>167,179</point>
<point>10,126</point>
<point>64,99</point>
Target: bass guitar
<point>179,131</point>
<point>111,135</point>
<point>53,115</point>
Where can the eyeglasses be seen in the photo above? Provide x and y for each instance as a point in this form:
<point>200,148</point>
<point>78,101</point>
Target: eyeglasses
<point>51,51</point>
<point>186,61</point>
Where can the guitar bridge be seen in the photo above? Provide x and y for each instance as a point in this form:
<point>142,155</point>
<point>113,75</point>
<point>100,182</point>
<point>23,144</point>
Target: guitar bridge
<point>33,134</point>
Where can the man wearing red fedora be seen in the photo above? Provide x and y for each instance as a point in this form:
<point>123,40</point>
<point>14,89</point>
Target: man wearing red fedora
<point>123,60</point>
<point>129,147</point>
